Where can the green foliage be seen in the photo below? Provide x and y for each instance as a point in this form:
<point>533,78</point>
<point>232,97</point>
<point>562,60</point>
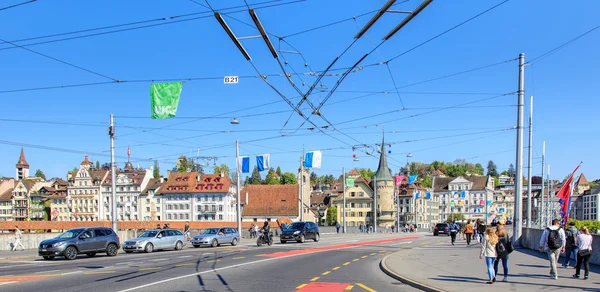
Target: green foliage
<point>511,170</point>
<point>271,179</point>
<point>222,168</point>
<point>40,173</point>
<point>331,216</point>
<point>314,178</point>
<point>492,169</point>
<point>255,179</point>
<point>455,217</point>
<point>496,181</point>
<point>278,171</point>
<point>186,165</point>
<point>593,184</point>
<point>426,182</point>
<point>327,179</point>
<point>366,173</point>
<point>593,226</point>
<point>97,164</point>
<point>505,173</point>
<point>288,178</point>
<point>156,170</point>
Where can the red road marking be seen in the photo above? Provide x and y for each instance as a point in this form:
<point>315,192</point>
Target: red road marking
<point>349,245</point>
<point>324,287</point>
<point>4,279</point>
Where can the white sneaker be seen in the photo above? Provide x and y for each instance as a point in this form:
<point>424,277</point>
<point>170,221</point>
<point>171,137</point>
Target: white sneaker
<point>505,279</point>
<point>555,277</point>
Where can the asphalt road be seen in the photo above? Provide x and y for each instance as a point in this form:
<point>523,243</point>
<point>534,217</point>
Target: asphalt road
<point>336,263</point>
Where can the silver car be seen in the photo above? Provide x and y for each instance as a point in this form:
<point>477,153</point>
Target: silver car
<point>152,240</point>
<point>216,236</point>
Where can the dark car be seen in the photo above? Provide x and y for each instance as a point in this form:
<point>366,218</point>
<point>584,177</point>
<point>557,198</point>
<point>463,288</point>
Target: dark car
<point>76,241</point>
<point>300,231</point>
<point>441,228</point>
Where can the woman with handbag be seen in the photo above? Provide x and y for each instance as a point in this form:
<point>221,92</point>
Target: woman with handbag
<point>502,249</point>
<point>488,249</point>
<point>584,243</point>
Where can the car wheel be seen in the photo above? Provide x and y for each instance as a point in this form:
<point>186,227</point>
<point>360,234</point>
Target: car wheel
<point>149,248</point>
<point>70,253</point>
<point>196,246</point>
<point>214,243</point>
<point>129,251</point>
<point>90,254</point>
<point>316,237</point>
<point>48,258</point>
<point>302,239</point>
<point>179,245</point>
<point>112,250</point>
<point>234,242</point>
<point>283,241</point>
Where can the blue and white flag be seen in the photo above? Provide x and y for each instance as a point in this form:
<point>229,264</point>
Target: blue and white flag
<point>313,159</point>
<point>263,162</point>
<point>463,194</point>
<point>428,196</point>
<point>244,164</point>
<point>412,179</point>
<point>416,196</point>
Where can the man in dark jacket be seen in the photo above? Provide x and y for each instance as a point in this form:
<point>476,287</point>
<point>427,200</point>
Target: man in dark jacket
<point>571,248</point>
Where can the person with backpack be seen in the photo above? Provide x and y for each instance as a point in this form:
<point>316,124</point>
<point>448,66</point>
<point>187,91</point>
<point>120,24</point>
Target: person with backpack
<point>553,243</point>
<point>571,249</point>
<point>503,248</point>
<point>453,230</point>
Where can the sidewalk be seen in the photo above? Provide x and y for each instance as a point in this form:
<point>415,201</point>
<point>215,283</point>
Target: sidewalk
<point>443,267</point>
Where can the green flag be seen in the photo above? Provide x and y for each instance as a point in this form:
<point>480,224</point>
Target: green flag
<point>349,182</point>
<point>164,99</point>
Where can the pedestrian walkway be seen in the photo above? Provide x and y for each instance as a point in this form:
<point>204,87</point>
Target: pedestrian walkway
<point>439,266</point>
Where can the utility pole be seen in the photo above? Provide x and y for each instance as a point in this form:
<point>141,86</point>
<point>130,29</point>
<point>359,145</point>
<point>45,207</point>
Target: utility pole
<point>551,209</point>
<point>518,217</point>
<point>529,170</point>
<point>431,197</point>
<point>302,185</point>
<point>542,194</point>
<point>239,203</point>
<point>113,170</point>
<point>396,193</point>
<point>344,198</point>
<point>375,204</point>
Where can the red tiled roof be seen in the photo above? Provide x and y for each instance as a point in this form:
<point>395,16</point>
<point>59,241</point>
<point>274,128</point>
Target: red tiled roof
<point>353,172</point>
<point>22,163</point>
<point>582,181</point>
<point>180,182</point>
<point>7,195</point>
<point>153,184</point>
<point>270,200</point>
<point>86,161</point>
<point>213,183</point>
<point>479,182</point>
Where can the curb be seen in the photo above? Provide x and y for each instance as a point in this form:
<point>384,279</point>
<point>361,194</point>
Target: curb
<point>406,280</point>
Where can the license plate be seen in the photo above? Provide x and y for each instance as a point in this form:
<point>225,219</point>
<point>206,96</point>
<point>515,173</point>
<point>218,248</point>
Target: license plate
<point>129,246</point>
<point>43,249</point>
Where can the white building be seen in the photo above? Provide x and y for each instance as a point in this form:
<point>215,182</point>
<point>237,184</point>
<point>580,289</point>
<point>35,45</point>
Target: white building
<point>470,196</point>
<point>591,204</point>
<point>150,201</point>
<point>129,185</point>
<point>83,192</point>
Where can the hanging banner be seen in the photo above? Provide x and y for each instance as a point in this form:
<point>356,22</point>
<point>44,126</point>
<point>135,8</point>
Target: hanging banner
<point>399,179</point>
<point>428,196</point>
<point>412,179</point>
<point>263,162</point>
<point>313,159</point>
<point>349,182</point>
<point>244,164</point>
<point>164,99</point>
<point>452,204</point>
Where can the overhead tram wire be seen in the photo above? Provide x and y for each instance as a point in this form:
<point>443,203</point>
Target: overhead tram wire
<point>145,26</point>
<point>556,49</point>
<point>63,62</point>
<point>16,5</point>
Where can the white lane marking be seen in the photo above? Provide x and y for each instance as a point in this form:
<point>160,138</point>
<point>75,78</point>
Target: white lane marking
<point>225,268</point>
<point>71,273</point>
<point>159,260</point>
<point>44,272</point>
<point>124,263</point>
<point>401,243</point>
<point>182,257</point>
<point>6,283</point>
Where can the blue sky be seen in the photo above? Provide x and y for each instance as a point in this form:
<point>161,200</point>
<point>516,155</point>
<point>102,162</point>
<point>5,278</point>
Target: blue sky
<point>74,120</point>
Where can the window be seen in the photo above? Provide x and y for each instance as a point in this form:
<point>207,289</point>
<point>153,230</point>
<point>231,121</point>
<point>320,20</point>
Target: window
<point>221,217</point>
<point>213,208</point>
<point>169,216</point>
<point>205,207</point>
<point>176,207</point>
<point>158,210</point>
<point>199,207</point>
<point>361,194</point>
<point>199,217</point>
<point>187,216</point>
<point>220,208</point>
<point>147,209</point>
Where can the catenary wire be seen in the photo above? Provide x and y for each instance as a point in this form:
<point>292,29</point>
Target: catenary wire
<point>556,49</point>
<point>16,5</point>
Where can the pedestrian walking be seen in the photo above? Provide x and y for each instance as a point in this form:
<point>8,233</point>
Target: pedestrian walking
<point>337,227</point>
<point>453,231</point>
<point>186,231</point>
<point>502,249</point>
<point>571,248</point>
<point>584,243</point>
<point>488,250</point>
<point>469,232</point>
<point>251,230</point>
<point>553,242</point>
<point>360,228</point>
<point>481,228</point>
<point>18,236</point>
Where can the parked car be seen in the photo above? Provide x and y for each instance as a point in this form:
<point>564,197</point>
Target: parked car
<point>300,231</point>
<point>441,228</point>
<point>76,241</point>
<point>216,236</point>
<point>158,239</point>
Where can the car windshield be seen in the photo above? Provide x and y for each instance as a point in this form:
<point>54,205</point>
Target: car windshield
<point>210,231</point>
<point>71,233</point>
<point>149,234</point>
<point>297,225</point>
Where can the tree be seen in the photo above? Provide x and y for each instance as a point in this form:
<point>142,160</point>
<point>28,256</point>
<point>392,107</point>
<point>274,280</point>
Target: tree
<point>426,182</point>
<point>97,164</point>
<point>327,179</point>
<point>186,165</point>
<point>288,178</point>
<point>511,170</point>
<point>478,169</point>
<point>271,179</point>
<point>593,184</point>
<point>454,170</point>
<point>496,181</point>
<point>222,168</point>
<point>331,216</point>
<point>314,178</point>
<point>492,169</point>
<point>278,171</point>
<point>455,217</point>
<point>255,179</point>
<point>156,170</point>
<point>40,173</point>
<point>504,173</point>
<point>366,173</point>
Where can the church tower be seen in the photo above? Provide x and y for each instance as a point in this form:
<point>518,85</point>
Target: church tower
<point>384,183</point>
<point>22,171</point>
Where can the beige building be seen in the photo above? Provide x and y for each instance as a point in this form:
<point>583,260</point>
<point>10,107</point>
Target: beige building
<point>359,202</point>
<point>418,205</point>
<point>6,189</point>
<point>83,192</point>
<point>384,189</point>
<point>22,169</point>
<point>151,200</point>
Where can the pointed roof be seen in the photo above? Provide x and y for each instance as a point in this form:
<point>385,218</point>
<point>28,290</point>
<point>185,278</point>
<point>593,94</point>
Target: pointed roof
<point>22,162</point>
<point>582,181</point>
<point>86,161</point>
<point>383,172</point>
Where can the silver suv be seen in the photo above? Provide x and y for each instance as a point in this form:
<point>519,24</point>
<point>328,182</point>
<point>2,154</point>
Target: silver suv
<point>76,241</point>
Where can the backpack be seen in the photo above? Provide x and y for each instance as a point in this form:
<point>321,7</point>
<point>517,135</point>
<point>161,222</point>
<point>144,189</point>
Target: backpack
<point>570,238</point>
<point>501,250</point>
<point>554,241</point>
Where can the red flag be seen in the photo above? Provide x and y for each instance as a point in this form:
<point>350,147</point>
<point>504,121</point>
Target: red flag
<point>564,197</point>
<point>399,179</point>
<point>128,151</point>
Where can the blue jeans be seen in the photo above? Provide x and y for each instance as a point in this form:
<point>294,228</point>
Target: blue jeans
<point>489,261</point>
<point>568,253</point>
<point>504,265</point>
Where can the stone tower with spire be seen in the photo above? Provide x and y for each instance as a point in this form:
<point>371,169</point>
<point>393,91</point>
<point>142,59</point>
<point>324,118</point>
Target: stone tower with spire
<point>384,184</point>
<point>22,171</point>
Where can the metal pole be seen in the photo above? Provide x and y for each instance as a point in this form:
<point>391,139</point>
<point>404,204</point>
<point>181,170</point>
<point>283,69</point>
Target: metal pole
<point>431,201</point>
<point>518,221</point>
<point>113,170</point>
<point>529,170</point>
<point>552,209</point>
<point>239,202</point>
<point>302,185</point>
<point>542,194</point>
<point>375,205</point>
<point>344,198</point>
<point>396,192</point>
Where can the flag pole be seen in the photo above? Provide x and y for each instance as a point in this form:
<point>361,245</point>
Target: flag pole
<point>238,169</point>
<point>344,197</point>
<point>302,185</point>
